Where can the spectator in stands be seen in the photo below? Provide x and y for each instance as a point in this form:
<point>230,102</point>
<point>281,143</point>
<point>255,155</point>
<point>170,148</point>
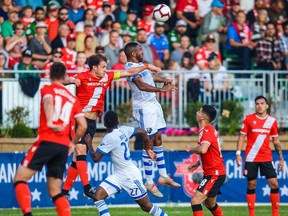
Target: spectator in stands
<point>104,30</point>
<point>7,26</point>
<point>121,61</point>
<point>39,16</point>
<point>27,15</point>
<point>68,52</point>
<point>188,11</point>
<point>147,21</point>
<point>100,50</point>
<point>5,6</point>
<point>61,40</point>
<point>159,40</point>
<point>28,81</point>
<point>204,6</point>
<point>185,46</point>
<point>3,61</point>
<point>277,12</point>
<point>187,61</point>
<point>284,44</point>
<point>106,11</point>
<point>239,40</point>
<point>16,44</point>
<point>126,37</point>
<point>75,12</point>
<point>96,5</point>
<point>112,49</point>
<point>268,54</point>
<point>203,53</point>
<point>130,25</point>
<point>63,17</point>
<point>258,27</point>
<point>116,26</point>
<point>3,51</point>
<point>232,13</point>
<point>88,31</point>
<point>88,15</point>
<point>40,45</point>
<point>33,3</point>
<point>213,23</point>
<point>80,65</point>
<point>176,33</point>
<point>89,48</point>
<point>120,12</point>
<point>56,57</point>
<point>252,15</point>
<point>150,54</point>
<point>51,20</point>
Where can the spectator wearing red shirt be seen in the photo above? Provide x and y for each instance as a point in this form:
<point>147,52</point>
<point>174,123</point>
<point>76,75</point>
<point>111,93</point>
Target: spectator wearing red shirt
<point>27,16</point>
<point>80,65</point>
<point>121,61</point>
<point>187,10</point>
<point>69,53</point>
<point>147,21</point>
<point>212,163</point>
<point>97,4</point>
<point>56,57</point>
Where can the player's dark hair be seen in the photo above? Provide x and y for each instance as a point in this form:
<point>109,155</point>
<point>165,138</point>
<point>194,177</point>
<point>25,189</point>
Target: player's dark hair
<point>210,111</point>
<point>95,60</point>
<point>57,71</point>
<point>129,48</point>
<point>111,119</point>
<point>39,9</point>
<point>261,97</point>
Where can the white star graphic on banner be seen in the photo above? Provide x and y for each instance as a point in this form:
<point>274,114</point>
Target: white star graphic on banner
<point>266,190</point>
<point>36,195</point>
<point>73,194</point>
<point>284,191</point>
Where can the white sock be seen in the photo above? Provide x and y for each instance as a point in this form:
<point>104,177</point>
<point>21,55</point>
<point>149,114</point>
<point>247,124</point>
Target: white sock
<point>160,160</point>
<point>148,167</point>
<point>102,208</point>
<point>156,211</point>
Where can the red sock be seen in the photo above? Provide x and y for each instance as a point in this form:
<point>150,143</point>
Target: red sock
<point>71,176</point>
<point>275,200</point>
<point>197,210</point>
<point>23,196</point>
<point>62,205</point>
<point>82,169</point>
<point>217,211</point>
<point>251,198</point>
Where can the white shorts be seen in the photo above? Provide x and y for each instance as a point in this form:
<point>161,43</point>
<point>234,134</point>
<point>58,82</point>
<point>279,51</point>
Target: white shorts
<point>150,117</point>
<point>135,188</point>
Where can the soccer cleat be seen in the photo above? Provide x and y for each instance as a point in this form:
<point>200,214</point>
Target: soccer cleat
<point>89,192</point>
<point>66,193</point>
<point>167,181</point>
<point>152,188</point>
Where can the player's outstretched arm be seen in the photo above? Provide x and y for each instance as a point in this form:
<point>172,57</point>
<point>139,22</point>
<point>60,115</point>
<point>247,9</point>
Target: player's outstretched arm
<point>149,88</point>
<point>71,80</point>
<point>199,149</point>
<point>240,143</point>
<point>278,149</point>
<point>193,166</point>
<point>96,156</point>
<point>147,144</point>
<point>160,78</point>
<point>135,70</point>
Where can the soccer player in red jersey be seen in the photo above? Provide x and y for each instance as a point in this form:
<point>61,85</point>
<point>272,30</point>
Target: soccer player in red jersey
<point>58,107</point>
<point>91,89</point>
<point>212,163</point>
<point>259,127</point>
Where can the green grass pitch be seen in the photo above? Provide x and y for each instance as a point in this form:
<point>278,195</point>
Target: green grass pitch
<point>171,211</point>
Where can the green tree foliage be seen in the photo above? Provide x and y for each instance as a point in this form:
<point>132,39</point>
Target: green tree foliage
<point>190,113</point>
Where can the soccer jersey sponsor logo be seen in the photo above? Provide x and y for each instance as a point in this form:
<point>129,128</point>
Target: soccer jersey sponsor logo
<point>260,130</point>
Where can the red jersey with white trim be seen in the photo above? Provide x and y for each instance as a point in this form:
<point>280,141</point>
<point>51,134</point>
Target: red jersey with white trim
<point>203,54</point>
<point>96,4</point>
<point>66,108</point>
<point>68,57</point>
<point>212,161</point>
<point>91,92</point>
<point>258,131</point>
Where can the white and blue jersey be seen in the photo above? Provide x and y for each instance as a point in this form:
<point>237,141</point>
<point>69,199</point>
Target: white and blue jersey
<point>126,174</point>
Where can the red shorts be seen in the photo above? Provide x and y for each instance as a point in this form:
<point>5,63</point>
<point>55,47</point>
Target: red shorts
<point>47,153</point>
<point>210,185</point>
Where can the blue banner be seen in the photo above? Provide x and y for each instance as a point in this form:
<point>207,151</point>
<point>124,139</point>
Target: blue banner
<point>234,190</point>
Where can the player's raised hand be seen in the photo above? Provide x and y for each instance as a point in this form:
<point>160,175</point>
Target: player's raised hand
<point>154,68</point>
<point>168,87</point>
<point>238,160</point>
<point>54,127</point>
<point>151,154</point>
<point>193,166</point>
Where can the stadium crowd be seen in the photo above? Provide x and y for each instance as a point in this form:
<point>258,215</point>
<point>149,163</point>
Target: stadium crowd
<point>254,32</point>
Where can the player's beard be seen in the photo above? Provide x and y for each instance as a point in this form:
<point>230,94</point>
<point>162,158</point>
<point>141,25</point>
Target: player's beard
<point>139,57</point>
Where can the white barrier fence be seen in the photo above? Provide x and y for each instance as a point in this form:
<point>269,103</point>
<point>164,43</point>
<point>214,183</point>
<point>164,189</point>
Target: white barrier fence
<point>242,86</point>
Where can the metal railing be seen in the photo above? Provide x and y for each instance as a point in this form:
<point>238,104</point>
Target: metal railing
<point>242,86</point>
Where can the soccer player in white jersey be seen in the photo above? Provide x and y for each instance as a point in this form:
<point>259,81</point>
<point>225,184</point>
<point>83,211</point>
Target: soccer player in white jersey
<point>259,127</point>
<point>126,175</point>
<point>148,112</point>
